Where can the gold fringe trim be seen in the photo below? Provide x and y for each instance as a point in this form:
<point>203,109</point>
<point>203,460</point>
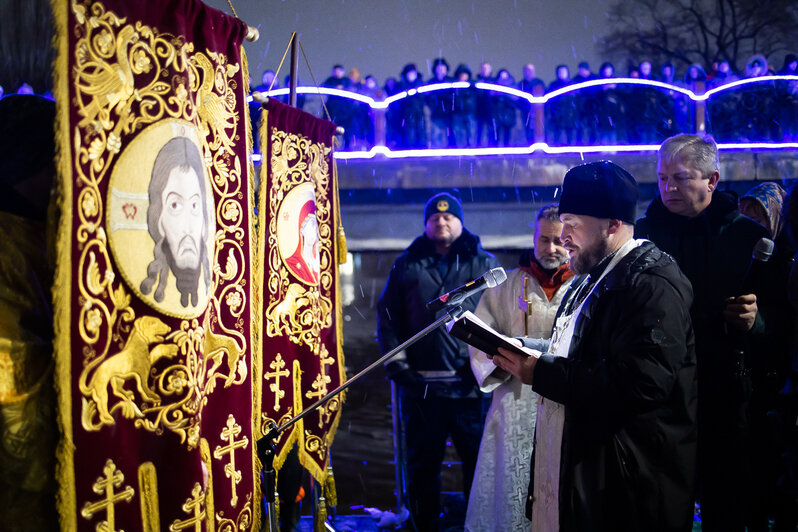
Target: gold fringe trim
<point>148,498</point>
<point>255,281</point>
<point>210,511</point>
<point>340,252</point>
<point>330,492</point>
<point>259,242</point>
<point>62,281</point>
<point>340,236</point>
<point>276,503</point>
<point>321,516</point>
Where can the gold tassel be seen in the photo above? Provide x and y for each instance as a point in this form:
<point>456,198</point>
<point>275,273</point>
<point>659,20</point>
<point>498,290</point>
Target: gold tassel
<point>340,236</point>
<point>321,515</point>
<point>342,251</point>
<point>330,493</point>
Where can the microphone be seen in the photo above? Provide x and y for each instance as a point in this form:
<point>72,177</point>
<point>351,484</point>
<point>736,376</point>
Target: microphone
<point>759,256</point>
<point>493,277</point>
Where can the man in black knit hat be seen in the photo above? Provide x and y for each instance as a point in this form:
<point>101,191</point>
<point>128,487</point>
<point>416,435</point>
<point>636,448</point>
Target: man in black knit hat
<point>616,431</point>
<point>438,394</point>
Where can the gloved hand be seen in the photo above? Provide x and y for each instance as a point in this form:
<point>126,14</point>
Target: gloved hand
<point>400,372</point>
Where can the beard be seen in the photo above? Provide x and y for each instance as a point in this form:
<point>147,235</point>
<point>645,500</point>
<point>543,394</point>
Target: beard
<point>552,262</point>
<point>187,253</point>
<point>589,256</point>
<point>186,279</point>
<point>443,238</point>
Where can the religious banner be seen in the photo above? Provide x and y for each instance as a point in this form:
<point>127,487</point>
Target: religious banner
<point>153,295</point>
<point>300,239</point>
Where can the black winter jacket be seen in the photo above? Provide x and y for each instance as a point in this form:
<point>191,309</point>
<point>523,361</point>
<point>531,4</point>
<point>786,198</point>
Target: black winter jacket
<point>415,279</point>
<point>713,250</point>
<point>629,389</point>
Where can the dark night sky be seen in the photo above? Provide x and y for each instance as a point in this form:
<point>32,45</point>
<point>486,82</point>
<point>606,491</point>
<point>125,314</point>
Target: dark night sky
<point>380,36</point>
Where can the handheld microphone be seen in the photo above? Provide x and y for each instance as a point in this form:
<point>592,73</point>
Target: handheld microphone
<point>759,256</point>
<point>492,278</point>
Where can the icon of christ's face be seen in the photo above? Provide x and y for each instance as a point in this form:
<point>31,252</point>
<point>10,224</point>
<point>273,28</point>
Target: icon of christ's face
<point>182,216</point>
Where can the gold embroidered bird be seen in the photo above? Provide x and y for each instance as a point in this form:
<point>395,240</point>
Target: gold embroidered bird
<point>217,112</point>
<point>109,83</point>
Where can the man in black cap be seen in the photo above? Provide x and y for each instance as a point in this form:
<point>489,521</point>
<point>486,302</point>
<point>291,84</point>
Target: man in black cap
<point>616,430</point>
<point>438,394</point>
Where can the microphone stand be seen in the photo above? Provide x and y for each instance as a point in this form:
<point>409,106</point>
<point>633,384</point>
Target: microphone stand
<point>265,446</point>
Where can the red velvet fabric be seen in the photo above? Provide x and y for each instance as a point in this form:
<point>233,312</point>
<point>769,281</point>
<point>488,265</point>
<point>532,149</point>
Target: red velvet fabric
<point>157,45</point>
<point>293,120</point>
<point>300,337</point>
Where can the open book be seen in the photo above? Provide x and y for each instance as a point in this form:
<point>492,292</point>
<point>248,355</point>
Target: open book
<point>479,334</point>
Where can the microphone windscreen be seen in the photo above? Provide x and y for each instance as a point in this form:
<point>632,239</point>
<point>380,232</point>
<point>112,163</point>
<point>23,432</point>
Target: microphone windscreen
<point>495,277</point>
<point>763,250</point>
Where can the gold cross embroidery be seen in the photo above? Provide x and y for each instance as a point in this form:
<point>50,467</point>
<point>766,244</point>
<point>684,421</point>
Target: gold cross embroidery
<point>229,434</point>
<point>105,485</point>
<point>320,385</point>
<point>193,504</point>
<point>326,361</point>
<point>277,365</point>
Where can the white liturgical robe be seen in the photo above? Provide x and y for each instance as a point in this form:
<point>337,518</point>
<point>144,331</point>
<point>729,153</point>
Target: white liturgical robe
<point>498,494</point>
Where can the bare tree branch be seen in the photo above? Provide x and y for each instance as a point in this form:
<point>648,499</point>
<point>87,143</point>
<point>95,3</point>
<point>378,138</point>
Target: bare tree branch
<point>689,31</point>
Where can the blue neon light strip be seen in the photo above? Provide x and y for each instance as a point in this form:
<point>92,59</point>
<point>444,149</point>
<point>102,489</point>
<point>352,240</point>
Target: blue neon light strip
<point>537,147</point>
<point>540,147</point>
<point>525,95</point>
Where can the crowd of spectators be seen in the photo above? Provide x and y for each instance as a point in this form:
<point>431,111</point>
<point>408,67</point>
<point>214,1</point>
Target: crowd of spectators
<point>606,114</point>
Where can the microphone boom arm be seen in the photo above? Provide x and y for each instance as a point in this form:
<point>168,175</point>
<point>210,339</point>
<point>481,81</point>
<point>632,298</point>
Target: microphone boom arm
<point>266,447</point>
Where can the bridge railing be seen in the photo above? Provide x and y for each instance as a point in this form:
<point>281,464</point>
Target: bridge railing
<point>597,115</point>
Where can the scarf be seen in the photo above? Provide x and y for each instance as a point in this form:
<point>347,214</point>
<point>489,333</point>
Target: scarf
<point>550,280</point>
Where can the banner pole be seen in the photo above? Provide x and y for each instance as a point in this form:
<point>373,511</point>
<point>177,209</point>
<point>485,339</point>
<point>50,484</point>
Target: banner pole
<point>294,65</point>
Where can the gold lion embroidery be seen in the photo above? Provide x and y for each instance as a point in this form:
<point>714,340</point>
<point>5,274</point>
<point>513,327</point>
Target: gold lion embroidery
<point>216,346</point>
<point>134,362</point>
<point>282,315</point>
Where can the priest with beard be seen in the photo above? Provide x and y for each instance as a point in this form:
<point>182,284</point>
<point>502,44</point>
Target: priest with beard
<point>615,435</point>
<point>524,305</point>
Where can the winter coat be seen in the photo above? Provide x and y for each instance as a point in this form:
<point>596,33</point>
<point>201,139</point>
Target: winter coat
<point>341,109</point>
<point>415,279</point>
<point>412,107</point>
<point>440,102</point>
<point>713,250</point>
<point>628,386</point>
<point>562,110</point>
